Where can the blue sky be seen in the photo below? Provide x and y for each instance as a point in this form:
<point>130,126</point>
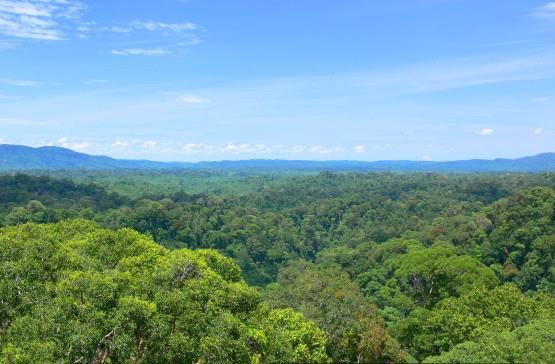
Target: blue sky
<point>294,79</point>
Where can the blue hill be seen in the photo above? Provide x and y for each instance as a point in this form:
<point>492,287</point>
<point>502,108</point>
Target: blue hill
<point>18,158</point>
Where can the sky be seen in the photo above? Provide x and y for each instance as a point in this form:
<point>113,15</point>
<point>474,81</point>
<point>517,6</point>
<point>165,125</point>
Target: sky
<point>191,80</point>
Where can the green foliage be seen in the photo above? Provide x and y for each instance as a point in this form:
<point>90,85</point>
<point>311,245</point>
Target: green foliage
<point>137,183</point>
<point>284,217</point>
<point>471,316</point>
<point>73,292</point>
<point>523,226</point>
<point>285,337</point>
<point>354,327</point>
<point>432,274</point>
<point>532,343</point>
<point>385,265</point>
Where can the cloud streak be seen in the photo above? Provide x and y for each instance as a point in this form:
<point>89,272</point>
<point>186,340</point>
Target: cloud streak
<point>149,52</point>
<point>192,99</point>
<point>546,11</point>
<point>359,148</point>
<point>486,132</point>
<point>19,83</point>
<point>440,76</point>
<point>37,19</point>
<point>182,34</point>
<point>79,146</point>
<point>178,28</point>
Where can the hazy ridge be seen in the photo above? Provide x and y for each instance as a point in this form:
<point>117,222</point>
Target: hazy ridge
<point>19,158</point>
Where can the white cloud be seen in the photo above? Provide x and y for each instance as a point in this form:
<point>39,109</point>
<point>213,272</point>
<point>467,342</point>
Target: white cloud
<point>89,27</point>
<point>64,142</point>
<point>21,83</point>
<point>7,97</point>
<point>149,144</point>
<point>192,99</point>
<point>78,146</point>
<point>6,45</point>
<point>23,8</point>
<point>318,149</point>
<point>237,148</point>
<point>544,100</point>
<point>150,52</point>
<point>190,147</point>
<point>15,121</point>
<point>186,30</point>
<point>298,149</point>
<point>538,131</point>
<point>37,19</point>
<point>246,148</point>
<point>359,148</point>
<point>427,158</point>
<point>486,131</point>
<point>546,11</point>
<point>194,148</point>
<point>121,144</point>
<point>117,29</point>
<point>160,26</point>
<point>438,76</point>
<point>95,81</point>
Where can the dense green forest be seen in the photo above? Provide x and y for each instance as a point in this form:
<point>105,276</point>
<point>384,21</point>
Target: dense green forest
<point>141,183</point>
<point>256,268</point>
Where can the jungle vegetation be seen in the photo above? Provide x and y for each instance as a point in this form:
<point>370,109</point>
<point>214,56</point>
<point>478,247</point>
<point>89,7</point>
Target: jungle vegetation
<point>327,267</point>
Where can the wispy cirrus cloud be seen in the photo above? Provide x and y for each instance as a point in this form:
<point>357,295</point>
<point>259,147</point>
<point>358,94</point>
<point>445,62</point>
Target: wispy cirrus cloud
<point>19,83</point>
<point>192,99</point>
<point>52,20</point>
<point>37,19</point>
<point>95,81</point>
<point>436,77</point>
<point>177,28</point>
<point>546,11</point>
<point>149,52</point>
<point>6,44</point>
<point>470,72</point>
<point>7,97</point>
<point>182,34</point>
<point>86,28</point>
<point>184,29</point>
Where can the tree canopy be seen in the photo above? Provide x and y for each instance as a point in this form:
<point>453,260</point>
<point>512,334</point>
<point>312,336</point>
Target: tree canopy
<point>340,267</point>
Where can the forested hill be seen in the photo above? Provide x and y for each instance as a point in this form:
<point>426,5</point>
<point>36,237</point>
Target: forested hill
<point>16,157</point>
<point>19,157</point>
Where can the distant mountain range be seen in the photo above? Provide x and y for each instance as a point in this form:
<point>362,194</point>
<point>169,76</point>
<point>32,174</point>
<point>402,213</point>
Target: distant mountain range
<point>18,158</point>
